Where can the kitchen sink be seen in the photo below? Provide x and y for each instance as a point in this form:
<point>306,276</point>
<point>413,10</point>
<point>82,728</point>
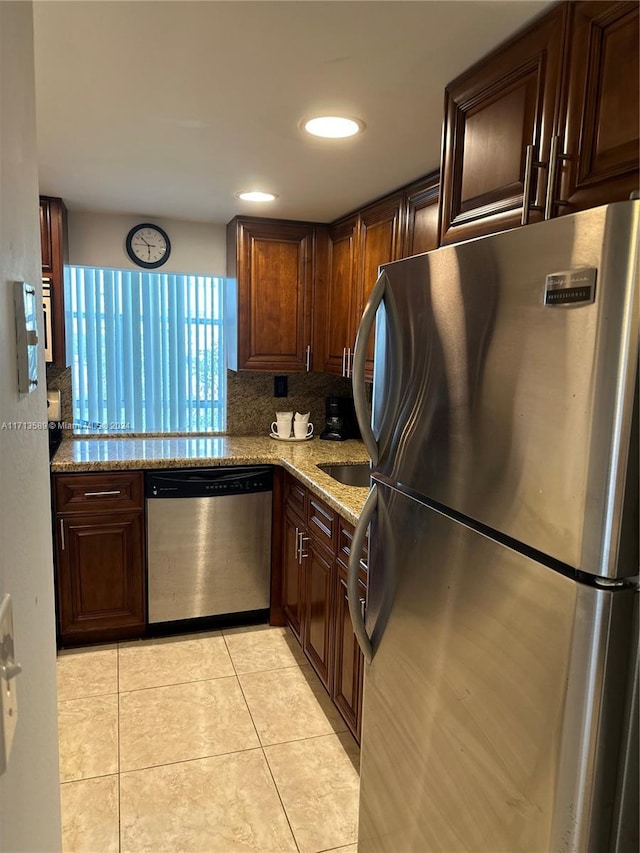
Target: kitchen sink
<point>349,475</point>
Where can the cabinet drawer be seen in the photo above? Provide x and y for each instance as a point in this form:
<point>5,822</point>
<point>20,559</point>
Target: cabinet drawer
<point>322,523</point>
<point>295,496</point>
<point>90,492</point>
<point>345,538</point>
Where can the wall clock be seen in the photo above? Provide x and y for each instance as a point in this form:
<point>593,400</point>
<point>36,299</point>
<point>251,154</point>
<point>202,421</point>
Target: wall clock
<point>148,245</point>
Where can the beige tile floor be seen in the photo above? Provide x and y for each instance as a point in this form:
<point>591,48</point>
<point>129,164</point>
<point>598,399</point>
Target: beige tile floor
<point>221,741</point>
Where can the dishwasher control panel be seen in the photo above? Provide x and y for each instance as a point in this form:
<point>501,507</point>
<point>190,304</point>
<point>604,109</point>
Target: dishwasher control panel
<point>208,482</point>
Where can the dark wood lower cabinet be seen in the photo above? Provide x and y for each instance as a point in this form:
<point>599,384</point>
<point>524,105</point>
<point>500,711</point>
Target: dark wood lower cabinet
<point>318,624</point>
<point>292,580</point>
<point>100,569</point>
<point>100,575</point>
<point>348,660</point>
<point>315,551</point>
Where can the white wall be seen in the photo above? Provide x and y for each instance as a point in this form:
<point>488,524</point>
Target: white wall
<point>98,240</point>
<point>29,791</point>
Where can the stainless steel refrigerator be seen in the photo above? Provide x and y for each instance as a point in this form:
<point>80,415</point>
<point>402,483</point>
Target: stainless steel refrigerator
<point>500,696</point>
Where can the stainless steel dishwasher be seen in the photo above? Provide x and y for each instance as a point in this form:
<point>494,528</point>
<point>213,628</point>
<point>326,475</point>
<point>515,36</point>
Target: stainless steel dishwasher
<point>208,541</point>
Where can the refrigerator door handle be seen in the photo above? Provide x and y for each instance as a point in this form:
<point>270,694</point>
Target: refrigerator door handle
<point>355,608</point>
<point>358,366</point>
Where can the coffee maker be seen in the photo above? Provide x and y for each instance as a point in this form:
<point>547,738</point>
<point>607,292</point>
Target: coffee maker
<point>341,420</point>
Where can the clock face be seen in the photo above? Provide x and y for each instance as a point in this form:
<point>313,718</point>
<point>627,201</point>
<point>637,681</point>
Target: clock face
<point>148,245</point>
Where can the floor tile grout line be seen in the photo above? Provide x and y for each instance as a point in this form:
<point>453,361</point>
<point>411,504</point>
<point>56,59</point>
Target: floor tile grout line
<point>88,778</point>
<point>284,808</point>
<point>246,702</point>
<point>226,645</point>
<point>309,737</point>
<point>190,760</point>
<point>260,746</point>
<point>176,684</point>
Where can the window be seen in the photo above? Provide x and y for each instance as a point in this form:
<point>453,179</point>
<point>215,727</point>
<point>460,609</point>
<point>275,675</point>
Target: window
<point>146,351</point>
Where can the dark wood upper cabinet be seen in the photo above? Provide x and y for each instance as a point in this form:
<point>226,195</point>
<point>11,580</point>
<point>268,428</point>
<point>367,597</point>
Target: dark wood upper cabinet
<point>568,85</point>
<point>46,235</point>
<point>357,247</point>
<point>493,111</point>
<point>421,233</point>
<point>601,135</point>
<point>379,241</point>
<point>53,248</point>
<point>340,297</point>
<point>269,308</point>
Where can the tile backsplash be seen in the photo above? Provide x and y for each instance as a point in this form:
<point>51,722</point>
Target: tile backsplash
<point>59,379</point>
<point>251,406</point>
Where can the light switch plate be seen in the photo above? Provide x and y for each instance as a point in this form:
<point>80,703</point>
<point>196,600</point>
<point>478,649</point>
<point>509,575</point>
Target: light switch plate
<point>9,669</point>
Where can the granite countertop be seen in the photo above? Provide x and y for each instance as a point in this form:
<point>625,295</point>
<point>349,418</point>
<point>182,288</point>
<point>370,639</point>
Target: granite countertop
<point>300,458</point>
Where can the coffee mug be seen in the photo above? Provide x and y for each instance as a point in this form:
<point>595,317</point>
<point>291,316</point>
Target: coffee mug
<point>282,425</point>
<point>302,429</point>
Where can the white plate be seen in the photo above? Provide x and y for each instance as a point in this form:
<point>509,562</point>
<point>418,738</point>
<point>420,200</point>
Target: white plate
<point>293,438</point>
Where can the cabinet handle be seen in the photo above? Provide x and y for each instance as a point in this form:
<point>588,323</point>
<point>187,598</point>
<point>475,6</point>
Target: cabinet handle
<point>101,494</point>
<point>308,358</point>
<point>363,603</point>
<point>303,539</point>
<point>344,357</point>
<point>62,534</point>
<point>529,165</point>
<point>349,362</point>
<point>554,157</point>
<point>297,546</point>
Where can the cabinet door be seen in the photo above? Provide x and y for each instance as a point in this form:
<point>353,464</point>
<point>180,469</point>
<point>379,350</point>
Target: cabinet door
<point>274,279</point>
<point>46,236</point>
<point>349,661</point>
<point>100,573</point>
<point>421,226</point>
<point>505,102</point>
<point>379,242</point>
<point>318,626</point>
<point>53,245</point>
<point>292,586</point>
<point>341,297</point>
<point>601,133</point>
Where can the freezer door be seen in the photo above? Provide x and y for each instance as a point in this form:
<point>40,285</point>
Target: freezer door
<point>494,701</point>
<point>514,411</point>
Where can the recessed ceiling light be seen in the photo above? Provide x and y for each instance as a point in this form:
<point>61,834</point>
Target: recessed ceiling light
<point>333,127</point>
<point>255,195</point>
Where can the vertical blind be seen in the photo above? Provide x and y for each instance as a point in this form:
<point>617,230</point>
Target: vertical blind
<point>146,350</point>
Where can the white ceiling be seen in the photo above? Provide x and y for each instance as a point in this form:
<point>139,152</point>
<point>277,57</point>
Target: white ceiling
<point>168,108</point>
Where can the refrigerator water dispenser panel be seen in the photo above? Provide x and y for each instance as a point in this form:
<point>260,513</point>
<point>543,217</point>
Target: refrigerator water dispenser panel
<point>571,287</point>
